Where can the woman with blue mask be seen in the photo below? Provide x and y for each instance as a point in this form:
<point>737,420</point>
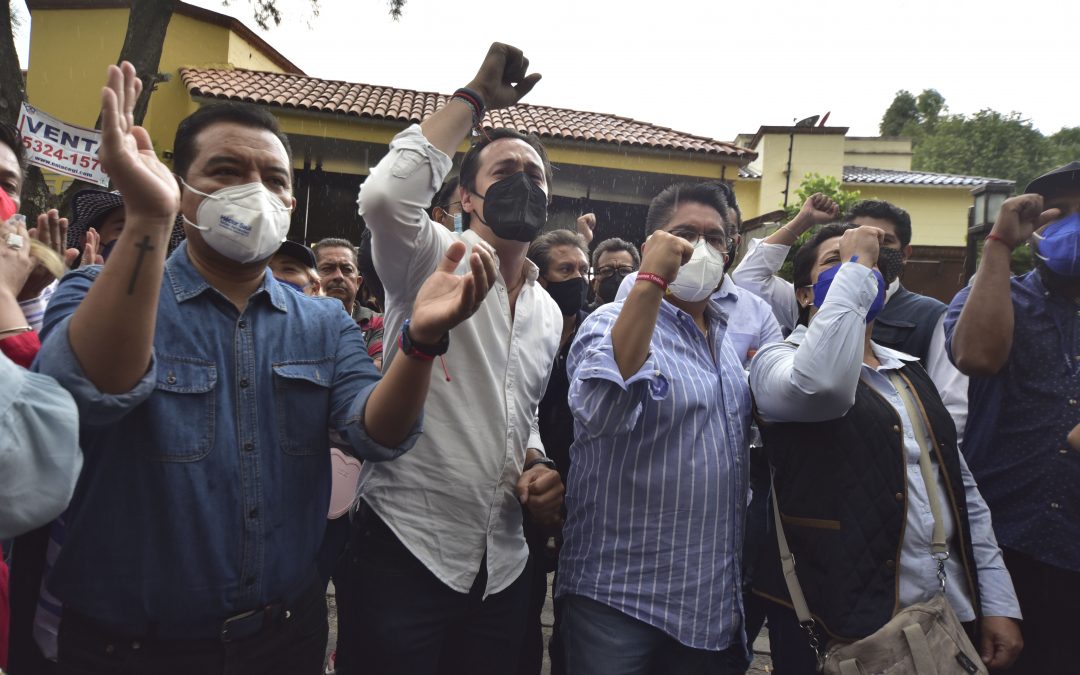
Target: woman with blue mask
<point>863,451</point>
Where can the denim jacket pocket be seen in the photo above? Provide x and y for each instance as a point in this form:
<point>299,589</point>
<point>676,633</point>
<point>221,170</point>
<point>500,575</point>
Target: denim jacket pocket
<point>184,393</point>
<point>302,400</point>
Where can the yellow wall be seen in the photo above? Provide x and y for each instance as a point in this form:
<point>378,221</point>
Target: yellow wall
<point>243,54</point>
<point>878,153</point>
<point>811,153</point>
<point>69,51</point>
<point>938,214</point>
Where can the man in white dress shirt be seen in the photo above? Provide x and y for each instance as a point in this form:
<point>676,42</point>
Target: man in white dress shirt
<point>436,575</point>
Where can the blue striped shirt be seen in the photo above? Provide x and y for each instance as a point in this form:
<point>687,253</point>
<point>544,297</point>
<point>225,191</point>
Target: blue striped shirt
<point>657,487</point>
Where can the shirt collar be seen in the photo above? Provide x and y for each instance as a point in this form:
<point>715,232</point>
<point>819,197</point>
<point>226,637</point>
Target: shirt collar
<point>892,289</point>
<point>187,283</point>
<point>532,272</point>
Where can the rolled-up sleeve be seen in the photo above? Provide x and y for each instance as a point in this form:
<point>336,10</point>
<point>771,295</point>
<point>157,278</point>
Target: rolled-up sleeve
<point>393,202</point>
<point>355,377</point>
<point>40,459</point>
<point>756,273</point>
<point>57,359</point>
<point>601,400</point>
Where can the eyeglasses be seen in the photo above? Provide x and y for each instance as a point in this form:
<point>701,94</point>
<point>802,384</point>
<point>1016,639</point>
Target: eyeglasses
<point>607,271</point>
<point>718,240</point>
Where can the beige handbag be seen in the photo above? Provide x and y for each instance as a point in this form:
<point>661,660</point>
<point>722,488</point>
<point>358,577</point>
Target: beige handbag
<point>923,639</point>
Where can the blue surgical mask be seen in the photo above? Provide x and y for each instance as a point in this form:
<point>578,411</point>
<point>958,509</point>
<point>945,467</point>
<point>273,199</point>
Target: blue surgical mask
<point>457,223</point>
<point>1059,246</point>
<point>825,279</point>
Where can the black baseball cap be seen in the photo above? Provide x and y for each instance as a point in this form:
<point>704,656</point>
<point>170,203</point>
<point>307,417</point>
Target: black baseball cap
<point>1061,178</point>
<point>298,251</point>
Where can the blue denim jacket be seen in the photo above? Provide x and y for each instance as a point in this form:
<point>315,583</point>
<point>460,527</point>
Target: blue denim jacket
<point>206,487</point>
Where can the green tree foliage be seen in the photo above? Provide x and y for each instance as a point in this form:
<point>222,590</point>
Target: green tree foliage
<point>988,143</point>
<point>812,184</point>
<point>829,186</point>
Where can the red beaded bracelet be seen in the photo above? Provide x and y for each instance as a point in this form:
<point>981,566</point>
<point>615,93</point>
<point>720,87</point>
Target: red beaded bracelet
<point>653,279</point>
<point>994,237</point>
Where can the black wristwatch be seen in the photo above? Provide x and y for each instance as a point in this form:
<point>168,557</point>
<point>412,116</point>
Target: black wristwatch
<point>546,461</point>
<point>419,351</point>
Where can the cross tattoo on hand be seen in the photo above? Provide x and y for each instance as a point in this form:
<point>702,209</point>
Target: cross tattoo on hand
<point>144,247</point>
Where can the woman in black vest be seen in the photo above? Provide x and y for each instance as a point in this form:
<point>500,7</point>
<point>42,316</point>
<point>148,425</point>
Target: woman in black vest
<point>846,459</point>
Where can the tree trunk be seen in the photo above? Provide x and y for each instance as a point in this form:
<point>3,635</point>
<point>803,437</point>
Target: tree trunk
<point>35,194</point>
<point>12,87</point>
<point>147,24</point>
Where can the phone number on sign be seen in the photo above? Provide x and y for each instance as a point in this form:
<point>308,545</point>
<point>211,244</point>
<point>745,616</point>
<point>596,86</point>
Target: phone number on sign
<point>73,158</point>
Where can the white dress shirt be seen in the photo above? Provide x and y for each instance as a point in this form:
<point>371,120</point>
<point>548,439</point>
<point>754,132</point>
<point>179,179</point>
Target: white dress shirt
<point>757,274</point>
<point>452,497</point>
<point>813,377</point>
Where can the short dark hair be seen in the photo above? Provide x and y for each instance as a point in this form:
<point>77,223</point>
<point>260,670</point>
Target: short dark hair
<point>540,248</point>
<point>882,210</point>
<point>244,114</point>
<point>615,244</point>
<point>470,165</point>
<point>663,205</point>
<point>447,193</point>
<point>803,264</point>
<point>11,137</point>
<point>336,242</point>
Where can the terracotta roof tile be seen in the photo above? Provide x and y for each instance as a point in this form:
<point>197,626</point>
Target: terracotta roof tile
<point>362,100</point>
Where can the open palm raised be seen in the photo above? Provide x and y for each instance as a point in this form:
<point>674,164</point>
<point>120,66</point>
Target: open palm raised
<point>446,299</point>
<point>127,155</point>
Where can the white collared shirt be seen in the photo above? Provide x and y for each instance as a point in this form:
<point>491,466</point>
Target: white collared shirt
<point>452,497</point>
<point>811,377</point>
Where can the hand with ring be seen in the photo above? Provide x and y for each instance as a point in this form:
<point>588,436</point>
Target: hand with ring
<point>16,264</point>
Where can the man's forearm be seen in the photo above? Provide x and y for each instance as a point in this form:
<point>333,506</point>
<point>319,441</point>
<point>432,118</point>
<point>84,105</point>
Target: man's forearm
<point>448,127</point>
<point>631,336</point>
<point>984,332</point>
<point>790,232</point>
<point>112,331</point>
<point>397,401</point>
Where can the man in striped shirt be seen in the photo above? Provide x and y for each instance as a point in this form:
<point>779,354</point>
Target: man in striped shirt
<point>649,571</point>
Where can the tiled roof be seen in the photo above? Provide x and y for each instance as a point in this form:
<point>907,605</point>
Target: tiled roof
<point>860,174</point>
<point>746,172</point>
<point>408,106</point>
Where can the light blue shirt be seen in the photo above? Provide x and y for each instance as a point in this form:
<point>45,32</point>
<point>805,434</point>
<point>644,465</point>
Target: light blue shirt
<point>40,458</point>
<point>657,488</point>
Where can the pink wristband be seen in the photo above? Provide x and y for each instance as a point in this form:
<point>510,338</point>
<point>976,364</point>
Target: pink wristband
<point>653,279</point>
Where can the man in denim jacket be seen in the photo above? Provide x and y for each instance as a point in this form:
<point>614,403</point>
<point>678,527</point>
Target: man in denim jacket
<point>208,394</point>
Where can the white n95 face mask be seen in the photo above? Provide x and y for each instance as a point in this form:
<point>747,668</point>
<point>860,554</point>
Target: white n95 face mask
<point>245,223</point>
<point>699,277</point>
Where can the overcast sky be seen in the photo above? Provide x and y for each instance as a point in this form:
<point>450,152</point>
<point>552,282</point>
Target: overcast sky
<point>710,67</point>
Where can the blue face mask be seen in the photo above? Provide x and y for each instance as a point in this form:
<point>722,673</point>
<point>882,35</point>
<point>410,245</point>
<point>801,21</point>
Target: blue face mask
<point>1059,246</point>
<point>825,279</point>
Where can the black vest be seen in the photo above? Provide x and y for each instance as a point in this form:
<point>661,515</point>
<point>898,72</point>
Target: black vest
<point>843,496</point>
<point>906,323</point>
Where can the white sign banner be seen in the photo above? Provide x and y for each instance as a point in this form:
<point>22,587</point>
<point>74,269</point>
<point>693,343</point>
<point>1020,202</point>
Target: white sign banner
<point>61,147</point>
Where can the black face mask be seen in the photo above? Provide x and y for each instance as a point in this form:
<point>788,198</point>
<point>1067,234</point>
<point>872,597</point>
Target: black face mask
<point>609,287</point>
<point>515,207</point>
<point>569,295</point>
<point>890,261</point>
